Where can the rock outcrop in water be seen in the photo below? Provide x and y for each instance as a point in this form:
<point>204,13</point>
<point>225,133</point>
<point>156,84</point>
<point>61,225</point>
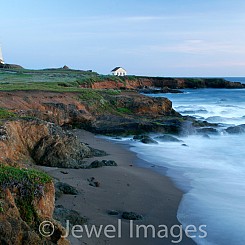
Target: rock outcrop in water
<point>239,129</point>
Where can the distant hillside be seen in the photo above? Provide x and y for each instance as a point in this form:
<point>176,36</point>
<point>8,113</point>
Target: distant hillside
<point>10,66</point>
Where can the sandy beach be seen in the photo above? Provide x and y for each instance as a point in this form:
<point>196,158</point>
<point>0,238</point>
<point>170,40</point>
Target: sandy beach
<point>126,187</point>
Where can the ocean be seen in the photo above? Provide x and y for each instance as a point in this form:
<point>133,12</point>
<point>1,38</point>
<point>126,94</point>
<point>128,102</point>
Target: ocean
<point>209,170</point>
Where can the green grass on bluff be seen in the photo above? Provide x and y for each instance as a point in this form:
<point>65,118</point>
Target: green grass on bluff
<point>5,114</point>
<point>27,184</point>
<point>56,80</point>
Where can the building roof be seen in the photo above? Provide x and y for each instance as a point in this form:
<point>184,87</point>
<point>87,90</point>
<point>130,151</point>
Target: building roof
<point>116,68</point>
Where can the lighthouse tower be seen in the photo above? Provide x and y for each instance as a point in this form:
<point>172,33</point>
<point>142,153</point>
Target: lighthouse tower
<point>1,56</point>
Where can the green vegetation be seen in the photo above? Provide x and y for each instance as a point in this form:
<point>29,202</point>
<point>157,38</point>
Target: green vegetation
<point>28,184</point>
<point>103,100</point>
<point>46,75</point>
<point>124,110</point>
<point>5,114</point>
<point>96,99</point>
<point>1,207</point>
<point>57,80</point>
<point>96,94</point>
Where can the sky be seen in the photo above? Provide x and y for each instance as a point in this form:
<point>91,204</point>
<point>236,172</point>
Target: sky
<point>147,37</point>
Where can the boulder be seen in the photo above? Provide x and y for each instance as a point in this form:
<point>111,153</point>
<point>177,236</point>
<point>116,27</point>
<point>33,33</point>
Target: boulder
<point>131,216</point>
<point>113,212</point>
<point>93,182</point>
<point>96,153</point>
<point>145,139</point>
<point>25,140</point>
<point>63,214</point>
<point>103,163</point>
<point>236,129</point>
<point>207,131</point>
<point>167,138</point>
<point>64,188</point>
<point>60,150</point>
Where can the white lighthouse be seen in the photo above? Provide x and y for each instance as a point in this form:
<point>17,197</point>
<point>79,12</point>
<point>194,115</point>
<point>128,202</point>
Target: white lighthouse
<point>1,56</point>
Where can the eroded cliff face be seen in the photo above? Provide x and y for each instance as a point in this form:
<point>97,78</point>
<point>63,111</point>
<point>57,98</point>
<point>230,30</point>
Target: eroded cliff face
<point>20,216</point>
<point>28,141</point>
<point>89,110</point>
<point>137,82</point>
<point>19,137</point>
<point>145,106</point>
<point>27,196</point>
<point>33,137</point>
<point>59,108</point>
<point>125,84</point>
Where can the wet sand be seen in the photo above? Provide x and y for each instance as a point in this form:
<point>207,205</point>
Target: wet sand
<point>126,187</point>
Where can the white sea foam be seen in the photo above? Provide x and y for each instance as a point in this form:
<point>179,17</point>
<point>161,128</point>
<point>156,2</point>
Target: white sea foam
<point>211,171</point>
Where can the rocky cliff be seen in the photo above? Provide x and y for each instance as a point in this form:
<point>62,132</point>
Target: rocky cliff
<point>91,109</point>
<point>32,141</point>
<point>26,195</point>
<point>30,135</point>
<point>27,199</point>
<point>137,82</point>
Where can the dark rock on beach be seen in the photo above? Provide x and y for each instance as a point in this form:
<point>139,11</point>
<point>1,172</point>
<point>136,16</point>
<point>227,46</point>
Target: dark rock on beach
<point>96,152</point>
<point>132,216</point>
<point>113,212</point>
<point>62,214</point>
<point>60,150</point>
<point>93,182</point>
<point>63,149</point>
<point>103,163</point>
<point>64,188</point>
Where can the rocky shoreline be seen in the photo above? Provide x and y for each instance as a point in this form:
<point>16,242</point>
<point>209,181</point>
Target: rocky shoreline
<point>33,132</point>
<point>165,83</point>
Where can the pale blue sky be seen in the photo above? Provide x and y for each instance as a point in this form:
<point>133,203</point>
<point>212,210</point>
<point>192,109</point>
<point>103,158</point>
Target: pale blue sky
<point>147,37</point>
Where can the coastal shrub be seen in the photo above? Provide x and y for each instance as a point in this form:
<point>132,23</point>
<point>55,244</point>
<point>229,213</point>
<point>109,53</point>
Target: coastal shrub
<point>27,184</point>
<point>66,84</point>
<point>124,110</point>
<point>131,78</point>
<point>5,114</point>
<point>1,207</point>
<point>89,94</point>
<point>112,91</point>
<point>194,83</point>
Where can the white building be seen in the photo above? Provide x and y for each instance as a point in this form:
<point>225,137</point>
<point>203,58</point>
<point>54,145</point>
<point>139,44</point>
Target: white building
<point>1,57</point>
<point>119,71</point>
